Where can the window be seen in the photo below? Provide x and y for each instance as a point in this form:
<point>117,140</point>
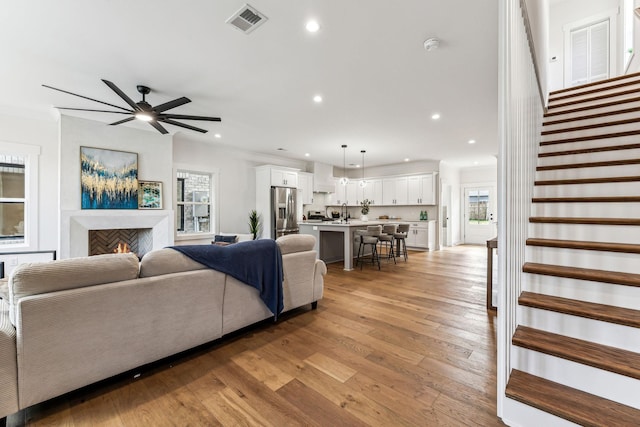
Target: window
<point>194,206</point>
<point>478,204</point>
<point>18,196</point>
<point>12,199</point>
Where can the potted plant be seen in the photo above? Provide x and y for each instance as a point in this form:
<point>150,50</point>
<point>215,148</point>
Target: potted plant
<point>364,209</point>
<point>254,223</point>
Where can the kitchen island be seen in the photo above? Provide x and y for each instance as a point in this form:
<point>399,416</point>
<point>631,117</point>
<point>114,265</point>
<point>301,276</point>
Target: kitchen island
<point>347,230</point>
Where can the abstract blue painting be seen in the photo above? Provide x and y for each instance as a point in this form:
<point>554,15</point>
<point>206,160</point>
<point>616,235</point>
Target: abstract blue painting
<point>109,179</point>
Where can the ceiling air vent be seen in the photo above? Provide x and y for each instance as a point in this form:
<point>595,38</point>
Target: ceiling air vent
<point>247,19</point>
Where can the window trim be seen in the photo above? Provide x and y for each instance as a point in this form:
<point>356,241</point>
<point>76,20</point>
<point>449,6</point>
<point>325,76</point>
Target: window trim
<point>213,201</point>
<point>31,153</point>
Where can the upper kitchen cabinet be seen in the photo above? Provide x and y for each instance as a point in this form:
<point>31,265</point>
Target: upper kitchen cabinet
<point>372,191</point>
<point>284,177</point>
<point>394,191</point>
<point>346,193</point>
<point>421,190</point>
<point>305,187</point>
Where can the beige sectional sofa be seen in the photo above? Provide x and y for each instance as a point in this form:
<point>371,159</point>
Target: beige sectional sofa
<point>70,323</point>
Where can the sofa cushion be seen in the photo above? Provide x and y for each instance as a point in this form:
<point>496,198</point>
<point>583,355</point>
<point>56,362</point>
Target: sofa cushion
<point>166,261</point>
<point>42,277</point>
<point>296,243</point>
<point>225,239</point>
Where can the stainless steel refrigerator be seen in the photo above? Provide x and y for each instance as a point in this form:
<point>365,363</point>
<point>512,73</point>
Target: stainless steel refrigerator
<point>283,211</point>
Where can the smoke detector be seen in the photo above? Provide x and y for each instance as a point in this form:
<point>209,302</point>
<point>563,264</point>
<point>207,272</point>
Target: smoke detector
<point>431,44</point>
<point>247,19</point>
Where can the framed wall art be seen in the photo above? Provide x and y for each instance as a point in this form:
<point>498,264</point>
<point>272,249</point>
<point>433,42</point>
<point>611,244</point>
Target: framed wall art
<point>109,179</point>
<point>149,195</point>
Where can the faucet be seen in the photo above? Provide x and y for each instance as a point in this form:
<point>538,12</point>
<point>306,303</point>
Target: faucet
<point>343,212</point>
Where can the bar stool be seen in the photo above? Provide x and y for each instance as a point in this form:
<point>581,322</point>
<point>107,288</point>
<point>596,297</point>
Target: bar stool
<point>369,237</point>
<point>387,239</point>
<point>400,236</point>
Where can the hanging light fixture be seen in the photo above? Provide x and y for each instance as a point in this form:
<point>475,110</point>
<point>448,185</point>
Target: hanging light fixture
<point>344,180</point>
<point>363,183</point>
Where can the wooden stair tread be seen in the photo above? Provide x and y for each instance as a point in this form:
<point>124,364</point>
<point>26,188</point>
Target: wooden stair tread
<point>591,137</point>
<point>584,220</point>
<point>591,107</point>
<point>603,180</point>
<point>592,116</point>
<point>606,199</point>
<point>589,310</point>
<point>590,246</point>
<point>630,76</point>
<point>603,276</point>
<point>605,163</point>
<point>565,402</point>
<point>591,126</point>
<point>612,359</point>
<point>593,98</point>
<point>590,150</point>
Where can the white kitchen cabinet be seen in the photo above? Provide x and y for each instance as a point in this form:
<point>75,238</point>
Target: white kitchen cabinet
<point>345,194</point>
<point>373,191</point>
<point>421,190</point>
<point>305,187</point>
<point>422,234</point>
<point>282,177</point>
<point>394,191</point>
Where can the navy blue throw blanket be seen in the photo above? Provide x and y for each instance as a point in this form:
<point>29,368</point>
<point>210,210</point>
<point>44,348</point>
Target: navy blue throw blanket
<point>257,263</point>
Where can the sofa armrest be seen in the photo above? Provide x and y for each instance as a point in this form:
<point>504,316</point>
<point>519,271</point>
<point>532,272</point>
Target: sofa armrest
<point>320,269</point>
<point>8,364</point>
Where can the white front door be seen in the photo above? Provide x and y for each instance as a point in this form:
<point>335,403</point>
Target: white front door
<point>479,214</point>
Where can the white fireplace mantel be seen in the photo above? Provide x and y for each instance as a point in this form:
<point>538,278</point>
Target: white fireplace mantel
<point>75,226</point>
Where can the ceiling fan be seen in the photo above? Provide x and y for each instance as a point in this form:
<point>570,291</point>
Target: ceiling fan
<point>142,110</point>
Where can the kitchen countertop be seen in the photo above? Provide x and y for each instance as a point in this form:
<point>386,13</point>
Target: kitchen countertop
<point>359,223</point>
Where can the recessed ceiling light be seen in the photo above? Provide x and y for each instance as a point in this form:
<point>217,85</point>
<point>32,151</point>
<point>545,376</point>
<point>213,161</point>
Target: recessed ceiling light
<point>435,116</point>
<point>317,99</point>
<point>472,141</point>
<point>406,160</point>
<point>312,26</point>
<point>307,154</point>
<point>475,163</point>
<point>217,135</point>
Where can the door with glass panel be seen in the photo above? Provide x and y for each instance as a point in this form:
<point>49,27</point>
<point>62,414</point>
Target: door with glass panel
<point>479,214</point>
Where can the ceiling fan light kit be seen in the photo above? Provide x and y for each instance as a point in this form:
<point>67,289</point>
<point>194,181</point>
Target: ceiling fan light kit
<point>144,111</point>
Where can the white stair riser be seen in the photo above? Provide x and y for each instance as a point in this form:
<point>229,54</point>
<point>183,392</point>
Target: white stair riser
<point>595,381</point>
<point>587,133</point>
<point>569,104</point>
<point>598,260</point>
<point>600,210</point>
<point>600,156</point>
<point>588,190</point>
<point>594,172</point>
<point>592,121</point>
<point>603,87</point>
<point>594,143</point>
<point>518,414</point>
<point>583,290</point>
<point>589,232</point>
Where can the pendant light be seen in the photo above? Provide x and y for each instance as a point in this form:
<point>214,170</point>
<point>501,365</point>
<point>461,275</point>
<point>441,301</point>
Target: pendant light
<point>363,183</point>
<point>344,180</point>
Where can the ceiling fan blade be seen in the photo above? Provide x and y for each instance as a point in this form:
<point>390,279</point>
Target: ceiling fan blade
<point>85,97</point>
<point>171,104</point>
<point>182,125</point>
<point>158,127</point>
<point>122,95</point>
<point>128,119</point>
<point>185,117</point>
<point>94,111</point>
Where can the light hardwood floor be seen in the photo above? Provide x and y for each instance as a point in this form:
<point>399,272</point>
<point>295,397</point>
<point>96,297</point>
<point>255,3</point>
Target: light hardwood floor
<point>411,344</point>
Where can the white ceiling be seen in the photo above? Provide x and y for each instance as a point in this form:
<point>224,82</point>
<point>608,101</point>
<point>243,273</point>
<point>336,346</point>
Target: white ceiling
<point>380,87</point>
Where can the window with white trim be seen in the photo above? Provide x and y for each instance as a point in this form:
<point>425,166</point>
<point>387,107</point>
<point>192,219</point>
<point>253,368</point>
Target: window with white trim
<point>195,213</point>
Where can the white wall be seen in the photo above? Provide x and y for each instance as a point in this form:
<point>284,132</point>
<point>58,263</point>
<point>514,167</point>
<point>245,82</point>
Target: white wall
<point>155,155</point>
<point>237,178</point>
<point>538,12</point>
<point>450,175</point>
<point>565,12</point>
<point>634,66</point>
<point>44,134</point>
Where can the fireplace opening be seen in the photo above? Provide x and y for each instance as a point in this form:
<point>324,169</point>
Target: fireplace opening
<point>120,240</point>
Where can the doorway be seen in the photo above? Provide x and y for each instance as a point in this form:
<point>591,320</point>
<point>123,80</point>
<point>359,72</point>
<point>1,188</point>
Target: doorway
<point>479,214</point>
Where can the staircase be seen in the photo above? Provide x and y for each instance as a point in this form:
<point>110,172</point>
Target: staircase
<point>576,350</point>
